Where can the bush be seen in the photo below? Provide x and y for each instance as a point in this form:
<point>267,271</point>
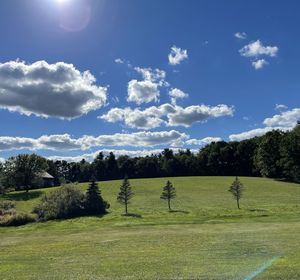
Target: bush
<point>7,205</point>
<point>65,202</point>
<point>16,219</point>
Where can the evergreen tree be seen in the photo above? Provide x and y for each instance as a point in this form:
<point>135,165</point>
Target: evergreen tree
<point>125,194</point>
<point>168,193</point>
<point>94,203</point>
<point>236,190</point>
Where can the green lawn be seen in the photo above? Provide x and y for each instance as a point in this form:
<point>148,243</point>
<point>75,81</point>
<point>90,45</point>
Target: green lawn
<point>205,237</point>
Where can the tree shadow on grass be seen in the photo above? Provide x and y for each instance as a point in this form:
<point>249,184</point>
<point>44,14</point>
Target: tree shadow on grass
<point>286,180</point>
<point>179,211</point>
<point>23,196</point>
<point>132,215</point>
<point>257,210</point>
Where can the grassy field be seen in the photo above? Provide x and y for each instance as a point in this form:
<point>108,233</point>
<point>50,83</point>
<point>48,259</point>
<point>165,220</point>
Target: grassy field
<point>205,237</point>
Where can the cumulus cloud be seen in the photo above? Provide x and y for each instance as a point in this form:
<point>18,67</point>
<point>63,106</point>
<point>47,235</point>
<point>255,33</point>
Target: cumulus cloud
<point>284,121</point>
<point>240,35</point>
<point>168,114</point>
<point>154,75</point>
<point>255,49</point>
<point>65,142</point>
<point>91,156</point>
<point>177,55</point>
<point>2,160</point>
<point>49,90</point>
<point>259,64</point>
<point>137,118</point>
<point>16,143</point>
<point>175,94</point>
<point>142,92</point>
<point>254,132</point>
<point>147,90</point>
<point>286,118</point>
<point>204,141</point>
<point>197,113</point>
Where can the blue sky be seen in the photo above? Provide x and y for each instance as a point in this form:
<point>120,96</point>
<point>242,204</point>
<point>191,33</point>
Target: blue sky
<point>231,68</point>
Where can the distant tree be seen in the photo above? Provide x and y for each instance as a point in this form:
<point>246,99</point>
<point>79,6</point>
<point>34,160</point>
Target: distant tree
<point>125,194</point>
<point>290,154</point>
<point>94,203</point>
<point>99,167</point>
<point>168,193</point>
<point>236,190</point>
<point>22,170</point>
<point>267,157</point>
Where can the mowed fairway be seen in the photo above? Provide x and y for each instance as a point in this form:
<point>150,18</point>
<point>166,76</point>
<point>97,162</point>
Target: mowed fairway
<point>205,237</point>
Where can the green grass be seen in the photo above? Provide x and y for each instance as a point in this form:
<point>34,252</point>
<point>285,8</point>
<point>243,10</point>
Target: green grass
<point>205,237</point>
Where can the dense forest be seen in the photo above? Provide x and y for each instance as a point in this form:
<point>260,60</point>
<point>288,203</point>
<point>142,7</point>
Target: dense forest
<point>275,154</point>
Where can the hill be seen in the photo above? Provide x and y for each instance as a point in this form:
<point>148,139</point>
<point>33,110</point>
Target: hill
<point>205,237</point>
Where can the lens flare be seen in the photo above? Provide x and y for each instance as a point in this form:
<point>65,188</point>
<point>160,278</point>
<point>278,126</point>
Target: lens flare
<point>74,15</point>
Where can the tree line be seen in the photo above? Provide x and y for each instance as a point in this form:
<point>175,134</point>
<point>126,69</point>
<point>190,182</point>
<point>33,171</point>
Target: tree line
<point>275,154</point>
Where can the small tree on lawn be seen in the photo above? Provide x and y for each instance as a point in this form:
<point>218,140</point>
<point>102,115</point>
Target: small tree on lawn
<point>168,193</point>
<point>94,203</point>
<point>236,190</point>
<point>125,194</point>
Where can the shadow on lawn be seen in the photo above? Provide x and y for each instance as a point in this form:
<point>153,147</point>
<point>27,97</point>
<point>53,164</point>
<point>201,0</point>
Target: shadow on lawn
<point>179,211</point>
<point>23,196</point>
<point>132,215</point>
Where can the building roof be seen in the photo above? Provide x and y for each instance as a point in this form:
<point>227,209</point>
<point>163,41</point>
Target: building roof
<point>46,175</point>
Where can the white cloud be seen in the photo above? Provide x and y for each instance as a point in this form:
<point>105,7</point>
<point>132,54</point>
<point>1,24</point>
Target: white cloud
<point>255,49</point>
<point>240,35</point>
<point>91,156</point>
<point>281,107</point>
<point>11,143</point>
<point>2,160</point>
<point>168,114</point>
<point>259,64</point>
<point>154,75</point>
<point>147,90</point>
<point>137,118</point>
<point>175,94</point>
<point>142,92</point>
<point>204,141</point>
<point>49,90</point>
<point>65,142</point>
<point>119,61</point>
<point>253,133</point>
<point>177,55</point>
<point>197,113</point>
<point>286,119</point>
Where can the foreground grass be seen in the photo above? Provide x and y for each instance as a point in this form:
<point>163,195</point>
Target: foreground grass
<point>205,237</point>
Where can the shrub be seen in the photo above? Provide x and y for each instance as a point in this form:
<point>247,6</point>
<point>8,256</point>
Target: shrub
<point>16,219</point>
<point>7,205</point>
<point>65,202</point>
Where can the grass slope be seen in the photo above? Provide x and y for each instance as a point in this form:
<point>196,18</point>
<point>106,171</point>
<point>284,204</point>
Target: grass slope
<point>205,237</point>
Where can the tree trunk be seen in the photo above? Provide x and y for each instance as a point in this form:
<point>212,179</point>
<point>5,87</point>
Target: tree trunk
<point>169,205</point>
<point>126,212</point>
<point>238,203</point>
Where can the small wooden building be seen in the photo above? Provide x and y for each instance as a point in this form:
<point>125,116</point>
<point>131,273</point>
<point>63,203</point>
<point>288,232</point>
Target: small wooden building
<point>48,180</point>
